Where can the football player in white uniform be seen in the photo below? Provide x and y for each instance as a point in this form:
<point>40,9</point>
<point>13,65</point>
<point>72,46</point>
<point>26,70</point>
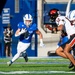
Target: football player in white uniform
<point>65,24</point>
<point>25,31</point>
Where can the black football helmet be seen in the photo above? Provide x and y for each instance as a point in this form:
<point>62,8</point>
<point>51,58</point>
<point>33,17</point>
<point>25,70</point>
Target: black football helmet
<point>53,14</point>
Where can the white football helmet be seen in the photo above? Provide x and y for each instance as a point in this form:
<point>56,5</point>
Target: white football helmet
<point>27,19</point>
<point>71,15</point>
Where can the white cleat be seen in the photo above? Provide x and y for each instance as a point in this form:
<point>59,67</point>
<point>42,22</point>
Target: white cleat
<point>9,63</point>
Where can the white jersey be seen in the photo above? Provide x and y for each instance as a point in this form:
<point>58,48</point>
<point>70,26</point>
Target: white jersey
<point>69,28</point>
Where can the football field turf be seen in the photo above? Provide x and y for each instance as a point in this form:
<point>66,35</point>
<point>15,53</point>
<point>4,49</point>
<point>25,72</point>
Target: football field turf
<point>36,66</point>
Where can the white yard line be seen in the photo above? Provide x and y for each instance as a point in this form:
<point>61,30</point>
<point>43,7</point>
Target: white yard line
<point>35,72</point>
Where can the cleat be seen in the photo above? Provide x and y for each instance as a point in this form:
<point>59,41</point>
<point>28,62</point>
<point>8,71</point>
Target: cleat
<point>26,57</point>
<point>71,65</point>
<point>9,63</point>
<point>73,69</point>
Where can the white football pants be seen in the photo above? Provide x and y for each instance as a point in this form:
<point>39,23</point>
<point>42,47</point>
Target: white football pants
<point>21,47</point>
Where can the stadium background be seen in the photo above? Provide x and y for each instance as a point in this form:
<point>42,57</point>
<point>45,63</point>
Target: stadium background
<point>39,10</point>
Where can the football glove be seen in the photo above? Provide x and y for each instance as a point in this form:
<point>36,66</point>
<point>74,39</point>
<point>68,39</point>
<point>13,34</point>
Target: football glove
<point>22,31</point>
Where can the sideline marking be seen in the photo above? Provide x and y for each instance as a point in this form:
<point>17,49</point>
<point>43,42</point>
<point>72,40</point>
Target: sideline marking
<point>35,72</point>
<point>37,63</point>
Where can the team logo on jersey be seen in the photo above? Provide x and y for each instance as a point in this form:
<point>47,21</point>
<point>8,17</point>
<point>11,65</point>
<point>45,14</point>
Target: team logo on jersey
<point>57,19</point>
<point>30,31</point>
<point>26,34</point>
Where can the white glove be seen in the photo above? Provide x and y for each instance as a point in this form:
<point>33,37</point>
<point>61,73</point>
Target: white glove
<point>22,31</point>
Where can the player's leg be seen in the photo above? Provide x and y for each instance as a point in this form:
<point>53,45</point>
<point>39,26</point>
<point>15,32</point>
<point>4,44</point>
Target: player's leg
<point>20,48</point>
<point>13,59</point>
<point>23,50</point>
<point>16,55</point>
<point>60,52</point>
<point>71,44</point>
<point>25,56</point>
<point>71,64</point>
<point>69,55</point>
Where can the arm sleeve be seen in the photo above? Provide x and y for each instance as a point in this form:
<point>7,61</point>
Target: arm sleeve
<point>35,27</point>
<point>19,25</point>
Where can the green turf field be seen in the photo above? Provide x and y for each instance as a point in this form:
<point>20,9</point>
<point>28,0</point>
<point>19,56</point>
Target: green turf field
<point>36,66</point>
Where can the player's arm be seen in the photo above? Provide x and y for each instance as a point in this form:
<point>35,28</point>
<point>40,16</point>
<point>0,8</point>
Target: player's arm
<point>17,32</point>
<point>60,27</point>
<point>40,34</point>
<point>48,26</point>
<point>60,23</point>
<point>40,37</point>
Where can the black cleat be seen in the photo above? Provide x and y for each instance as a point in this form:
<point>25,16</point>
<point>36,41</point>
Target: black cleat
<point>71,65</point>
<point>73,69</point>
<point>26,57</point>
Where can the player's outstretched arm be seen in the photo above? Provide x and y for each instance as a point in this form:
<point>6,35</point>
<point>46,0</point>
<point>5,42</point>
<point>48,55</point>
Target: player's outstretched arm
<point>41,38</point>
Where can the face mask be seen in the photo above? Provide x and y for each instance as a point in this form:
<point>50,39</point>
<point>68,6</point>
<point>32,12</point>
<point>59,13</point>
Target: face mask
<point>27,23</point>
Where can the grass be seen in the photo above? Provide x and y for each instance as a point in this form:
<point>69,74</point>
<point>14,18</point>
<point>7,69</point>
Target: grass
<point>54,66</point>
